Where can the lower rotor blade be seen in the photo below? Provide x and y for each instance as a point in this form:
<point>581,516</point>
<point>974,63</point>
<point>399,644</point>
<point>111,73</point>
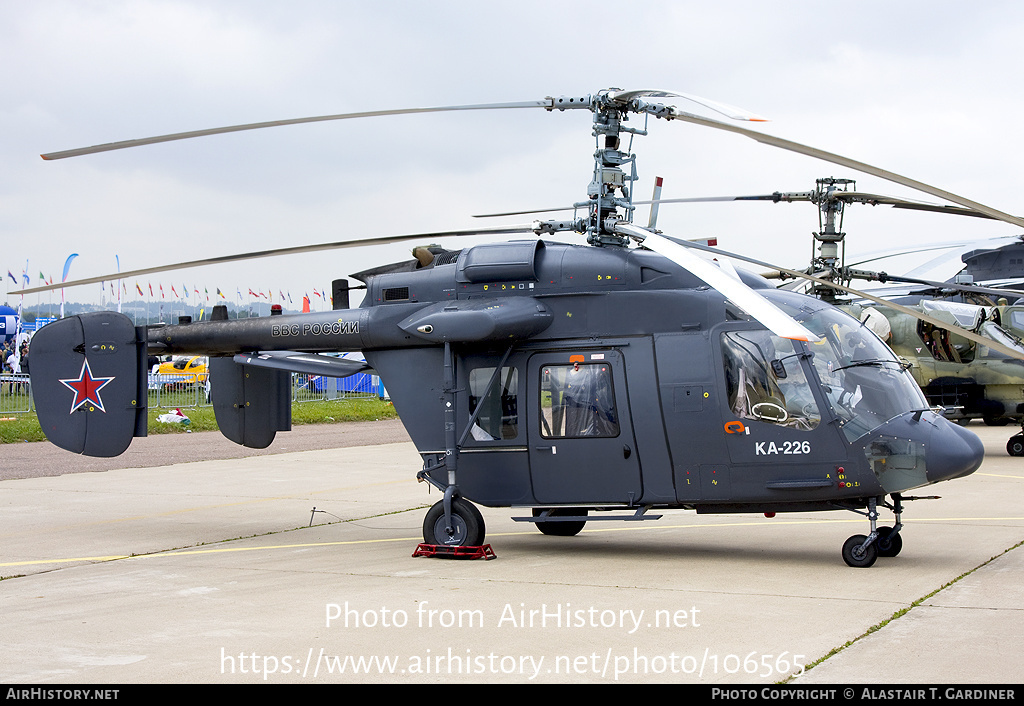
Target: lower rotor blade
<point>297,249</point>
<point>776,320</point>
<point>803,196</point>
<point>970,288</point>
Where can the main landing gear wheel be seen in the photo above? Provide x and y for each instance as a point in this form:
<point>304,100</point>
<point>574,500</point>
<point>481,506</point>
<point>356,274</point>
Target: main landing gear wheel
<point>1015,446</point>
<point>857,556</point>
<point>888,544</point>
<point>560,529</point>
<point>467,525</point>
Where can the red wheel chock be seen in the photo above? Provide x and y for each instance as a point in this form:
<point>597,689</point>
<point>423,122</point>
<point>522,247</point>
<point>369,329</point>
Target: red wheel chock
<point>446,552</point>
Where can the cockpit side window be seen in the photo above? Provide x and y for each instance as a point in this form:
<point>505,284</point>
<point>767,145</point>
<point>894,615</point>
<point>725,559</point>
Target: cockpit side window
<point>499,406</point>
<point>765,380</point>
<point>945,345</point>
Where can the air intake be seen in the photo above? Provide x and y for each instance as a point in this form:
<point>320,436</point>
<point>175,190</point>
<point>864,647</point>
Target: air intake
<point>396,294</point>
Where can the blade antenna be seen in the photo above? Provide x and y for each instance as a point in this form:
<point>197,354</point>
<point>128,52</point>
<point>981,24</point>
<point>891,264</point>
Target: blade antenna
<point>652,221</point>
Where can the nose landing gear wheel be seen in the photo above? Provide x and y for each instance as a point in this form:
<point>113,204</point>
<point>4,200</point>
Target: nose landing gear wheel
<point>467,525</point>
<point>888,544</point>
<point>857,556</point>
<point>1015,446</point>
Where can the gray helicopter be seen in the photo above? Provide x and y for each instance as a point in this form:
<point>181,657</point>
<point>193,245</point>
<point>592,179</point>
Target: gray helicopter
<point>578,383</point>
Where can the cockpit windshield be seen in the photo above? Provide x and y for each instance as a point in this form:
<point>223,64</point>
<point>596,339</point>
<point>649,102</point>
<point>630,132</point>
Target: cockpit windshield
<point>1000,335</point>
<point>950,346</point>
<point>862,381</point>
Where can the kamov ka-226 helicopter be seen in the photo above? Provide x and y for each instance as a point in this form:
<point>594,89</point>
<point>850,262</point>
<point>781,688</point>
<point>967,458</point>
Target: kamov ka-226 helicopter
<point>563,379</point>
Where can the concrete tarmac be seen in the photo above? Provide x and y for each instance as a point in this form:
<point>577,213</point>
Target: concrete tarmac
<point>209,572</point>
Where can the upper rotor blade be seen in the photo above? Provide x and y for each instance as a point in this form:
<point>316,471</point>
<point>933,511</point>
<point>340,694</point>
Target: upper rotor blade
<point>676,114</point>
<point>109,146</point>
<point>939,323</point>
<point>776,320</point>
<point>730,111</point>
<point>383,240</point>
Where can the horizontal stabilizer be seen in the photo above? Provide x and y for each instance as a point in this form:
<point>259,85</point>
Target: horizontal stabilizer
<point>308,363</point>
<point>251,404</point>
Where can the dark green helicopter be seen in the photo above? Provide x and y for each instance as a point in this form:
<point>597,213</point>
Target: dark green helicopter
<point>576,383</point>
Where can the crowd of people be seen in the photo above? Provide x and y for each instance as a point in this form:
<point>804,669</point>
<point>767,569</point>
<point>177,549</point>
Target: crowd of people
<point>15,357</point>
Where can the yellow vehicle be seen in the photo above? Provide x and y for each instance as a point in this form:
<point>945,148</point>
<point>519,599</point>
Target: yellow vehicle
<point>180,372</point>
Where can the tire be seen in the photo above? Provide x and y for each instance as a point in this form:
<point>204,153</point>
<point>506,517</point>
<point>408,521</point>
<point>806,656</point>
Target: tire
<point>1015,446</point>
<point>467,522</point>
<point>996,421</point>
<point>561,529</point>
<point>856,558</point>
<point>889,545</point>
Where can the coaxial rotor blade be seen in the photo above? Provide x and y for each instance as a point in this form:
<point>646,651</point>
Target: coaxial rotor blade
<point>549,103</point>
<point>125,144</point>
<point>798,196</point>
<point>954,286</point>
<point>845,196</point>
<point>294,250</point>
<point>525,213</point>
<point>954,250</point>
<point>879,200</point>
<point>730,111</point>
<point>629,100</point>
<point>788,197</point>
<point>776,320</point>
<point>676,114</point>
<point>938,323</point>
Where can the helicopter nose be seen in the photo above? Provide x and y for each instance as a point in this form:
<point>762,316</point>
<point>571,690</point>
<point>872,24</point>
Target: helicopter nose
<point>953,452</point>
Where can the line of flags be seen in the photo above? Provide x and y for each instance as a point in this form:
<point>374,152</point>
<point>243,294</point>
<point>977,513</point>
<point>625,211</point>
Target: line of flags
<point>186,293</point>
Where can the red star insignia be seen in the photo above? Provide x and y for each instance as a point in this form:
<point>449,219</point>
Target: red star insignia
<point>87,388</point>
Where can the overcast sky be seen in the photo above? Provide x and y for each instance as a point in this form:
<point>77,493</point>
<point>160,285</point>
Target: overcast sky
<point>929,90</point>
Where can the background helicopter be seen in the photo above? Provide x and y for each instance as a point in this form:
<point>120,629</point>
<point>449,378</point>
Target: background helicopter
<point>548,357</point>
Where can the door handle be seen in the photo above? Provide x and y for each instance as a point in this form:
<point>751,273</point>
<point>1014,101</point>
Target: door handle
<point>626,451</point>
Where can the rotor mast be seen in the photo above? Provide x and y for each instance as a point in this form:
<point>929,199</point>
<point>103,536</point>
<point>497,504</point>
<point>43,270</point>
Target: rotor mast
<point>610,187</point>
<point>609,175</point>
<point>830,238</point>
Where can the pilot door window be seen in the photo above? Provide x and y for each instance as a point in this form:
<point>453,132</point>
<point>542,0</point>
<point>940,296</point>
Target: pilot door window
<point>765,380</point>
<point>577,400</point>
<point>499,406</point>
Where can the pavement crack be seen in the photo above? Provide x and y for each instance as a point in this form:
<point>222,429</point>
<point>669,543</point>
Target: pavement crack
<point>903,611</point>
